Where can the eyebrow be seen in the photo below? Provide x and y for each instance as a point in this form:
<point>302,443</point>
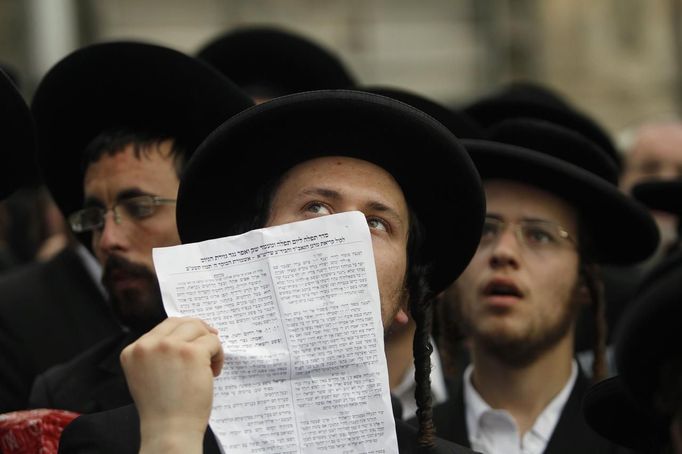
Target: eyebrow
<point>373,205</point>
<point>525,218</point>
<point>122,195</point>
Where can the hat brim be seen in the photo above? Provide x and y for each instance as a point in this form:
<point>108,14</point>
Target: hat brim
<point>124,85</point>
<point>18,166</point>
<point>649,332</point>
<point>662,195</point>
<point>259,145</point>
<point>622,232</point>
<point>611,412</point>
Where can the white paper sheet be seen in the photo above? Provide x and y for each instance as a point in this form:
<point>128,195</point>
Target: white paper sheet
<point>298,312</point>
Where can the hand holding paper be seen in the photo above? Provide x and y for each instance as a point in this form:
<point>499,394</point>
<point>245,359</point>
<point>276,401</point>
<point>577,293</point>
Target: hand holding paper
<point>170,372</point>
<point>298,310</point>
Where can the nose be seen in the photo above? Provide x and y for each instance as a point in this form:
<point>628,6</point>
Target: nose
<point>505,251</point>
<point>111,238</point>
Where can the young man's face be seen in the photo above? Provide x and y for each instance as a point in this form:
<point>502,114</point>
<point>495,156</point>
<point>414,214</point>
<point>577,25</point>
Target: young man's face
<point>331,185</point>
<point>125,249</point>
<point>518,298</point>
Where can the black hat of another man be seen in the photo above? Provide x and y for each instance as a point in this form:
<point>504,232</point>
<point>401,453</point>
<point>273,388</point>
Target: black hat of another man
<point>18,167</point>
<point>437,177</point>
<point>565,163</point>
<point>271,62</point>
<point>532,100</point>
<point>661,195</point>
<point>129,85</point>
<point>458,122</point>
<point>630,409</point>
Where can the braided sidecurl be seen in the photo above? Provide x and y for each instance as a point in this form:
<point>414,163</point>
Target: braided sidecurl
<point>420,304</point>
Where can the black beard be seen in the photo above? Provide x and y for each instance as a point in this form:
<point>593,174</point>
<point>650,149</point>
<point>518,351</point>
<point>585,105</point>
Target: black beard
<point>138,309</point>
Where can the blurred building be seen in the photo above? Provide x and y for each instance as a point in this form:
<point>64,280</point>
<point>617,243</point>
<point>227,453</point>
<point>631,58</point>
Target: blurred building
<point>617,59</point>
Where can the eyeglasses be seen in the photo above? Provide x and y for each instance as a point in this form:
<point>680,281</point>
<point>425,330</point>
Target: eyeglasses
<point>534,235</point>
<point>135,208</point>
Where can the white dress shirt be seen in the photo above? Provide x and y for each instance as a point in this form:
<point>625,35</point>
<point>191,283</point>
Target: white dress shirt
<point>495,431</point>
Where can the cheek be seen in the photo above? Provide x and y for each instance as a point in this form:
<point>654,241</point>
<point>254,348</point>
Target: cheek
<point>391,266</point>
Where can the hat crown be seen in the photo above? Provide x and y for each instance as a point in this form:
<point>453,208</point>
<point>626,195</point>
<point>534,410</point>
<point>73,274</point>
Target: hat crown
<point>558,142</point>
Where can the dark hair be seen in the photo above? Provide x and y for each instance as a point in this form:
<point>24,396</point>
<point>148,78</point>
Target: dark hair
<point>590,276</point>
<point>420,299</point>
<point>113,141</point>
<point>420,303</point>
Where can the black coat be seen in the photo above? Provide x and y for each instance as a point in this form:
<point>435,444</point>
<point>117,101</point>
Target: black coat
<point>49,313</point>
<point>571,434</point>
<point>91,382</point>
<point>118,432</point>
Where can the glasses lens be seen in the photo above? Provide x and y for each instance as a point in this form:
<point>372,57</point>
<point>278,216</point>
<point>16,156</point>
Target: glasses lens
<point>540,234</point>
<point>86,219</point>
<point>138,207</point>
<point>491,230</point>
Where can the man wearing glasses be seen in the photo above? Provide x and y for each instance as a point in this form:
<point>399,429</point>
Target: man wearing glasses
<point>117,123</point>
<point>552,216</point>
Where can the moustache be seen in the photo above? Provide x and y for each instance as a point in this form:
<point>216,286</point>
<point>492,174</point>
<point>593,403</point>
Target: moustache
<point>116,264</point>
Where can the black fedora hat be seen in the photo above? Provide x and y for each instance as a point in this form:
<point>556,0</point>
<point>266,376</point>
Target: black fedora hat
<point>275,60</point>
<point>564,163</point>
<point>613,413</point>
<point>532,100</point>
<point>124,85</point>
<point>662,195</point>
<point>18,167</point>
<point>626,409</point>
<point>458,122</point>
<point>437,176</point>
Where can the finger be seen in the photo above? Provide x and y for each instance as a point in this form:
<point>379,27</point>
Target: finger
<point>211,344</point>
<point>189,330</point>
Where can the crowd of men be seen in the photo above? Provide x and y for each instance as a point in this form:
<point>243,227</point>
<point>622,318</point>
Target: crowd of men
<point>528,273</point>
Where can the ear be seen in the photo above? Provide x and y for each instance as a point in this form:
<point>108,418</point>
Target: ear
<point>401,317</point>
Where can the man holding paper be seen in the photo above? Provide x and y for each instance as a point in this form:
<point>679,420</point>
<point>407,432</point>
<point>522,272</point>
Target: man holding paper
<point>300,158</point>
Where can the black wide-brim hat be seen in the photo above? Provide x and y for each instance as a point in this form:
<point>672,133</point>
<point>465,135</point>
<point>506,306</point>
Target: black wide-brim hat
<point>649,332</point>
<point>275,58</point>
<point>128,85</point>
<point>624,409</point>
<point>613,413</point>
<point>458,122</point>
<point>530,100</point>
<point>662,195</point>
<point>621,231</point>
<point>18,139</point>
<point>259,145</point>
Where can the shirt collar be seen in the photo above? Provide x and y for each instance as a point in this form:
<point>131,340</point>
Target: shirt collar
<point>544,425</point>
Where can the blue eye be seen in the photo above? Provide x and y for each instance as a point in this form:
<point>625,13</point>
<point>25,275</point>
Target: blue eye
<point>378,224</point>
<point>317,208</point>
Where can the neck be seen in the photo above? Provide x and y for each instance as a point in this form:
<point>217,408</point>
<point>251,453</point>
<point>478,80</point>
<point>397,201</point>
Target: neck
<point>527,390</point>
<point>398,348</point>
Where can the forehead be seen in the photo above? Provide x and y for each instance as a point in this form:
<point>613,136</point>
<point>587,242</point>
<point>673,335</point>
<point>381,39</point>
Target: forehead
<point>341,172</point>
<point>659,141</point>
<point>519,200</point>
<point>152,169</point>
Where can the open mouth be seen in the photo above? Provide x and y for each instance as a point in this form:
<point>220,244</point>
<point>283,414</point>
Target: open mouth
<point>502,288</point>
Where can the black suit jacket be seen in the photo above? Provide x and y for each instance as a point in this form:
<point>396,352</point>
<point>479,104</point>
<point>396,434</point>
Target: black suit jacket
<point>49,312</point>
<point>118,432</point>
<point>571,434</point>
<point>91,382</point>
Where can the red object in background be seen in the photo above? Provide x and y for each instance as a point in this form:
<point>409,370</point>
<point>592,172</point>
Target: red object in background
<point>33,431</point>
